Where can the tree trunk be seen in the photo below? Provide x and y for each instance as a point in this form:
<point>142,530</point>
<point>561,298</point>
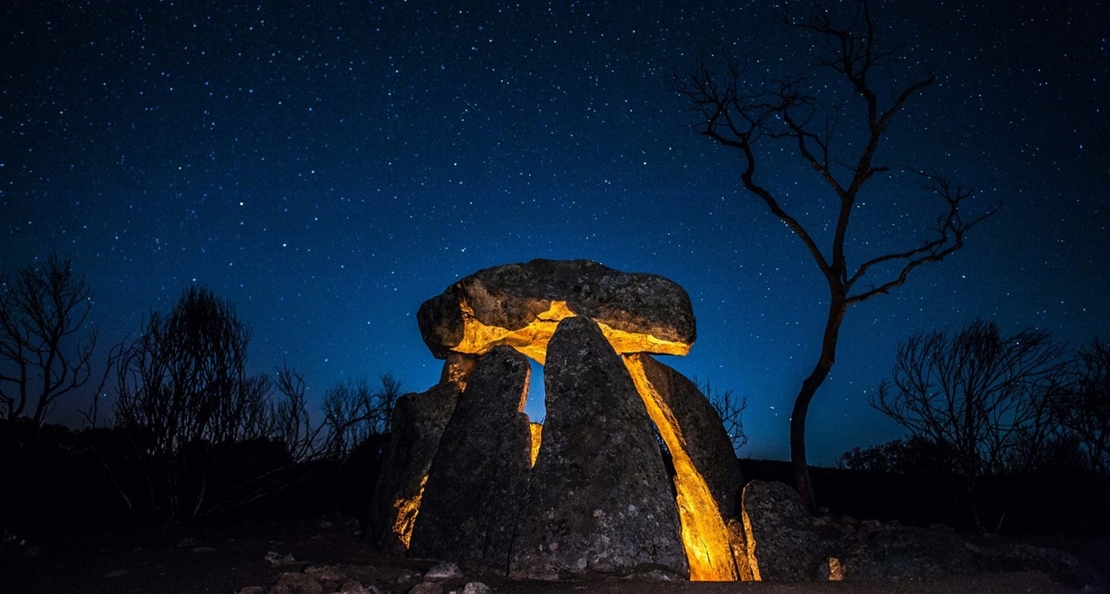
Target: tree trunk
<point>798,459</point>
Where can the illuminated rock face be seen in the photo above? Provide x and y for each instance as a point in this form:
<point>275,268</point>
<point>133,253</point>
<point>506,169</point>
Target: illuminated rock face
<point>521,304</point>
<point>707,475</point>
<point>480,472</point>
<point>457,368</point>
<point>782,543</point>
<point>418,423</point>
<point>599,501</point>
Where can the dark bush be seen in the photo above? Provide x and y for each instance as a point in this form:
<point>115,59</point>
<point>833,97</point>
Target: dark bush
<point>1042,503</point>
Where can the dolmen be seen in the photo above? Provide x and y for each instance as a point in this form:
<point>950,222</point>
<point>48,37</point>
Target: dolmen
<point>469,478</point>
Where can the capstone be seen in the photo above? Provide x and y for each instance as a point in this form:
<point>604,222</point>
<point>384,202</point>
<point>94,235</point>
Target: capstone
<point>521,304</point>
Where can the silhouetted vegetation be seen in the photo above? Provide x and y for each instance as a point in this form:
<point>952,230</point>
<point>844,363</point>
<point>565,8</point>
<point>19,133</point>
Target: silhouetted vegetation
<point>984,396</point>
<point>184,395</point>
<point>42,308</point>
<point>194,436</point>
<point>1083,407</point>
<point>731,410</point>
<point>354,413</point>
<point>996,423</point>
<point>1040,503</point>
<point>52,477</point>
<point>761,117</point>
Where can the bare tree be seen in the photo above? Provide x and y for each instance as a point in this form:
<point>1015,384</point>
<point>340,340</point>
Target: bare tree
<point>292,424</point>
<point>738,114</point>
<point>354,412</point>
<point>41,309</point>
<point>731,410</point>
<point>183,388</point>
<point>185,378</point>
<point>1083,404</point>
<point>983,396</point>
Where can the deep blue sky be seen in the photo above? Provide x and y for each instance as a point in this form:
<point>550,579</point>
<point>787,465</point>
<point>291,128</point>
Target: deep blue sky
<point>329,166</point>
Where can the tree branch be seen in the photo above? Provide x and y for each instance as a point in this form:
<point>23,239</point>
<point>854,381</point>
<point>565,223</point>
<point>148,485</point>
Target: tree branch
<point>949,237</point>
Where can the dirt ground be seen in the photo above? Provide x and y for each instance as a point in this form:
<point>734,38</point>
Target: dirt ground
<point>226,560</point>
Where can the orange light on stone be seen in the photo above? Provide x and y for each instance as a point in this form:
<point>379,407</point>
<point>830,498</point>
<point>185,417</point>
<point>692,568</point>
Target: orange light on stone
<point>633,342</point>
<point>532,339</point>
<point>404,514</point>
<point>537,437</point>
<point>705,536</point>
<point>752,545</point>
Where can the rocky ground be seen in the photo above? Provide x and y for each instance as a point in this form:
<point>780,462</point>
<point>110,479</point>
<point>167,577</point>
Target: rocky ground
<point>324,555</point>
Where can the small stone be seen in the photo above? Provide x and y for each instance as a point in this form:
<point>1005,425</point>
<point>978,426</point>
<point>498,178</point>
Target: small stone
<point>870,526</point>
<point>297,583</point>
<point>356,587</point>
<point>204,549</point>
<point>426,588</point>
<point>476,588</point>
<point>253,590</point>
<point>443,571</point>
<point>117,573</point>
<point>277,559</point>
<point>326,573</point>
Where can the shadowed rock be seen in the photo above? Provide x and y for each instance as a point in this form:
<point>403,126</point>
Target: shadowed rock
<point>521,304</point>
<point>599,501</point>
<point>880,552</point>
<point>480,473</point>
<point>782,542</point>
<point>707,474</point>
<point>418,424</point>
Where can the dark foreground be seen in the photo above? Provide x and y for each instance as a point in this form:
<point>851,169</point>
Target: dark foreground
<point>229,559</point>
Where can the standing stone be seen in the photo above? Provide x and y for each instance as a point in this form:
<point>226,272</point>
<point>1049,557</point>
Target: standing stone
<point>418,423</point>
<point>599,501</point>
<point>782,542</point>
<point>703,434</point>
<point>480,473</point>
<point>704,462</point>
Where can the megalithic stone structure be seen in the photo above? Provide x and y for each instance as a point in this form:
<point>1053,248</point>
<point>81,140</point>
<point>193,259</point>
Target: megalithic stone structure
<point>589,494</point>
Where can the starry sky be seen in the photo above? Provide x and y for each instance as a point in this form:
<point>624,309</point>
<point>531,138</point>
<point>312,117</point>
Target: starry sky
<point>328,166</point>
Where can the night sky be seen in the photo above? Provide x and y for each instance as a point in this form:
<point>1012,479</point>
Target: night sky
<point>329,166</point>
